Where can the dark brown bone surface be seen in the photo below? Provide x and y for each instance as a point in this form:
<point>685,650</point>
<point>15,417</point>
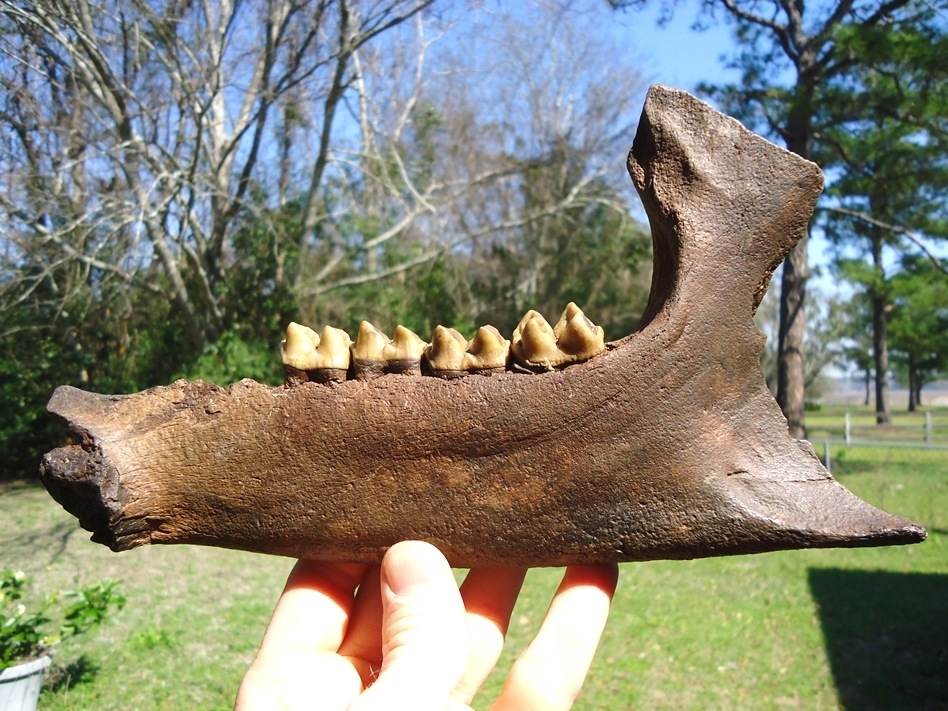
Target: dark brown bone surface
<point>668,445</point>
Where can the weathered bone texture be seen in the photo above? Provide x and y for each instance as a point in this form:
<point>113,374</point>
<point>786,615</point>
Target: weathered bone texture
<point>667,445</point>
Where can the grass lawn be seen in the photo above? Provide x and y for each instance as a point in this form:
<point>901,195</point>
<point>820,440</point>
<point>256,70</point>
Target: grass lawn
<point>855,629</point>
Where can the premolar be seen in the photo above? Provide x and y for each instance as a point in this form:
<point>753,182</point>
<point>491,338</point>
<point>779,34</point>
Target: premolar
<point>307,355</point>
<point>374,354</point>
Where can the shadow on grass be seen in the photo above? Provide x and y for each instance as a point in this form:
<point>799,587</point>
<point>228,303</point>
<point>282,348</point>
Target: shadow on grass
<point>886,637</point>
<point>63,678</point>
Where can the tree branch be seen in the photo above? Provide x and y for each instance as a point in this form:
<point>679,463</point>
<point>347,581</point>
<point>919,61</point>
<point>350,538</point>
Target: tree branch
<point>914,238</point>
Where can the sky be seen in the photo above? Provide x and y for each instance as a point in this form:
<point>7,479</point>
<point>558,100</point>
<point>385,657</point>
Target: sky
<point>675,54</point>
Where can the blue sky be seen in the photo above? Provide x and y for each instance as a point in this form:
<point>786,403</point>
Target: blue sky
<point>675,54</point>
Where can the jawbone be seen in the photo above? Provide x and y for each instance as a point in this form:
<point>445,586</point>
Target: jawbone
<point>665,444</point>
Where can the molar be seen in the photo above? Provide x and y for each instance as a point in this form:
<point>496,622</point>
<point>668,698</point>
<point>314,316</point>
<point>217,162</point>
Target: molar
<point>538,347</point>
<point>309,356</point>
<point>446,352</point>
<point>450,355</point>
<point>488,350</point>
<point>577,336</point>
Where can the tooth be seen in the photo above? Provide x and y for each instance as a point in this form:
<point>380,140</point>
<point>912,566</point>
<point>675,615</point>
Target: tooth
<point>488,350</point>
<point>307,356</point>
<point>446,352</point>
<point>374,354</point>
<point>534,343</point>
<point>299,349</point>
<point>406,345</point>
<point>370,344</point>
<point>536,346</point>
<point>333,349</point>
<point>450,355</point>
<point>577,336</point>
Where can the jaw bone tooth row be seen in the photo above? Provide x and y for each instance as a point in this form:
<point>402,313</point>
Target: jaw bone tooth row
<point>309,356</point>
<point>535,346</point>
<point>538,346</point>
<point>451,355</point>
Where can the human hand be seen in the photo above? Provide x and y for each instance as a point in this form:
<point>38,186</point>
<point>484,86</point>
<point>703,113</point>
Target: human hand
<point>403,636</point>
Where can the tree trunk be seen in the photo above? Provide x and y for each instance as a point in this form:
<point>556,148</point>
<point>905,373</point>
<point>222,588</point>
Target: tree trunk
<point>791,377</point>
<point>868,378</point>
<point>912,385</point>
<point>880,337</point>
<point>791,373</point>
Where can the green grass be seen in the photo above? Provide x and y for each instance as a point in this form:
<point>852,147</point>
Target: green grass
<point>847,628</point>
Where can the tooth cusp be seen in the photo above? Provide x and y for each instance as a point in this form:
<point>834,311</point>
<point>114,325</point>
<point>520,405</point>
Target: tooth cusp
<point>445,355</point>
<point>577,336</point>
<point>539,347</point>
<point>450,355</point>
<point>374,354</point>
<point>488,350</point>
<point>307,355</point>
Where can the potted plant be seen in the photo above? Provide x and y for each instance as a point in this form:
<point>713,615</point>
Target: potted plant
<point>28,634</point>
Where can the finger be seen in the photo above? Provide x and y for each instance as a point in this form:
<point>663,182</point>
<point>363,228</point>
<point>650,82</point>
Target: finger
<point>298,652</point>
<point>313,611</point>
<point>424,632</point>
<point>550,672</point>
<point>489,597</point>
<point>363,641</point>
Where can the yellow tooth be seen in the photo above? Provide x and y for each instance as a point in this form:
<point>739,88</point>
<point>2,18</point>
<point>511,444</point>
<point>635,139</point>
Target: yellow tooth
<point>332,351</point>
<point>446,352</point>
<point>533,343</point>
<point>406,345</point>
<point>568,313</point>
<point>374,354</point>
<point>299,348</point>
<point>370,344</point>
<point>574,339</point>
<point>538,342</point>
<point>577,336</point>
<point>487,350</point>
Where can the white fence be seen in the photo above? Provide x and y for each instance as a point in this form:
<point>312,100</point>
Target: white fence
<point>927,436</point>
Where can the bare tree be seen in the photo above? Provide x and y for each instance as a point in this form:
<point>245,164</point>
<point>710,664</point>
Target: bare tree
<point>140,129</point>
<point>473,141</point>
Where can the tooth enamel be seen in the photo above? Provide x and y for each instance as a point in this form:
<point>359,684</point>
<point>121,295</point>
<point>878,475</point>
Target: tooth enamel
<point>577,336</point>
<point>533,342</point>
<point>487,350</point>
<point>332,350</point>
<point>370,344</point>
<point>308,356</point>
<point>447,350</point>
<point>299,348</point>
<point>374,354</point>
<point>406,345</point>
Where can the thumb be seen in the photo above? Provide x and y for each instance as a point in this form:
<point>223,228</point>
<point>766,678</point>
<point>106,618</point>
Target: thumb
<point>424,632</point>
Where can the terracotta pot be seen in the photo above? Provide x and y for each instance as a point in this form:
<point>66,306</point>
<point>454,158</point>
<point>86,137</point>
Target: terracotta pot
<point>20,685</point>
